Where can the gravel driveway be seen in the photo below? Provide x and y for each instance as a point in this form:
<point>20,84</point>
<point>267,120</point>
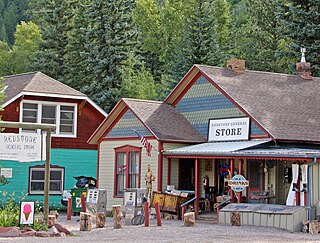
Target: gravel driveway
<point>170,231</point>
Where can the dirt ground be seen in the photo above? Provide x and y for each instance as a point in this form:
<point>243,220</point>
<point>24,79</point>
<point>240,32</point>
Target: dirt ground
<point>170,231</point>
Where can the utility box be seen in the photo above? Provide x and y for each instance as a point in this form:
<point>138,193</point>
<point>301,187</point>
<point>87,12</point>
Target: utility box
<point>134,197</point>
<point>133,203</point>
<point>96,201</point>
<point>76,199</point>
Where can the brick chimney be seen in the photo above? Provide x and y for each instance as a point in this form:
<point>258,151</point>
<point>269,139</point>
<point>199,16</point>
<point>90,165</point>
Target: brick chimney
<point>303,68</point>
<point>236,65</point>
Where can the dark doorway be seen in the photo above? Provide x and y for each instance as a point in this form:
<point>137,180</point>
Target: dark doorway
<point>186,172</point>
<point>255,177</point>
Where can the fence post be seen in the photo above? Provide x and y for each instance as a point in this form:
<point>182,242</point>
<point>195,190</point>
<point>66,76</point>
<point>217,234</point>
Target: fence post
<point>69,209</point>
<point>158,214</point>
<point>146,214</point>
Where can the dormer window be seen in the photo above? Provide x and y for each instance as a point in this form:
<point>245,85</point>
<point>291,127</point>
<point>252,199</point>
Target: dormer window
<point>63,115</point>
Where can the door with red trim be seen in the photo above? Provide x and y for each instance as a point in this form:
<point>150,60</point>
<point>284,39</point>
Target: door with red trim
<point>186,174</point>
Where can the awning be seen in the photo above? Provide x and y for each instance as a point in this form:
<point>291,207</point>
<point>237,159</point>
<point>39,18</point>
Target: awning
<point>215,147</point>
<point>252,148</point>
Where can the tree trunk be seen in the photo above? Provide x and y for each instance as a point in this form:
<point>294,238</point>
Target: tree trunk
<point>117,216</point>
<point>100,220</point>
<point>189,219</point>
<point>235,219</point>
<point>85,222</point>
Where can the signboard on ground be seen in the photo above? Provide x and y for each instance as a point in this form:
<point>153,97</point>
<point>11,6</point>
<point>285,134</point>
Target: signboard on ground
<point>23,147</point>
<point>229,129</point>
<point>6,172</point>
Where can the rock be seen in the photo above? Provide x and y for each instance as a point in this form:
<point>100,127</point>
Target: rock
<point>45,234</point>
<point>27,229</point>
<point>54,230</point>
<point>9,232</point>
<point>54,212</point>
<point>28,233</point>
<point>61,234</point>
<point>62,229</point>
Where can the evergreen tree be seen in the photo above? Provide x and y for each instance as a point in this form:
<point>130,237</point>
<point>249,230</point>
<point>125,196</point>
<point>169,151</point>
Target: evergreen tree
<point>110,38</point>
<point>200,44</point>
<point>302,21</point>
<point>77,75</point>
<point>54,19</point>
<point>12,12</point>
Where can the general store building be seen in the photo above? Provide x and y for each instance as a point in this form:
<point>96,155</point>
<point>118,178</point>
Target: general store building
<point>268,125</point>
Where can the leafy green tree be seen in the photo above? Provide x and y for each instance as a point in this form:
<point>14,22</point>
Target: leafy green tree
<point>4,58</point>
<point>137,80</point>
<point>27,37</point>
<point>302,20</point>
<point>111,36</point>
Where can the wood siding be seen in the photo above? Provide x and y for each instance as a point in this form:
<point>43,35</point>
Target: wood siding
<point>106,167</point>
<point>88,121</point>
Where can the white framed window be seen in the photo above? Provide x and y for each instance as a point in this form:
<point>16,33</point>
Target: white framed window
<point>36,180</point>
<point>63,115</point>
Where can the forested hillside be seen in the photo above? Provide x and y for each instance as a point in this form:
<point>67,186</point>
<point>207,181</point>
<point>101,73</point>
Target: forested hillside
<point>110,49</point>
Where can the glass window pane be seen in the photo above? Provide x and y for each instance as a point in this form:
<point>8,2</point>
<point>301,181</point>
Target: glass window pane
<point>66,119</point>
<point>55,175</point>
<point>37,186</point>
<point>55,186</point>
<point>37,175</point>
<point>67,108</point>
<point>30,106</point>
<point>48,114</point>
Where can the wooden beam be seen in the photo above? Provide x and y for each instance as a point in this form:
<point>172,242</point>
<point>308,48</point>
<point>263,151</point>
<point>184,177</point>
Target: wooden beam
<point>196,187</point>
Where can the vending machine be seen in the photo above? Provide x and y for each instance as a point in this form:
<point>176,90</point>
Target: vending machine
<point>133,202</point>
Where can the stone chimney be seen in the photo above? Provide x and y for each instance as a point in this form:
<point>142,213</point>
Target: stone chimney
<point>303,68</point>
<point>236,65</point>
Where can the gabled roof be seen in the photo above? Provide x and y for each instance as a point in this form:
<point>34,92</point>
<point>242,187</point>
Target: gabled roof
<point>162,120</point>
<point>286,106</point>
<point>165,122</point>
<point>39,84</point>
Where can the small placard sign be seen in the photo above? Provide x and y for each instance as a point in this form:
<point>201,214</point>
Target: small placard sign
<point>6,172</point>
<point>26,212</point>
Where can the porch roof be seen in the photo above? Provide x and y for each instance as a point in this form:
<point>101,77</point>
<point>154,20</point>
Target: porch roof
<point>249,148</point>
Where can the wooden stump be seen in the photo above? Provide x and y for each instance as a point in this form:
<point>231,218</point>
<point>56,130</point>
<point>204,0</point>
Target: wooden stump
<point>314,227</point>
<point>54,212</point>
<point>305,226</point>
<point>52,220</point>
<point>117,216</point>
<point>235,219</point>
<point>85,222</point>
<point>189,219</point>
<point>100,220</point>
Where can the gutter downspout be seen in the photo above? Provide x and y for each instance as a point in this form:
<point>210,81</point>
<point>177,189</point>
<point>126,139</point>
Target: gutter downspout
<point>309,191</point>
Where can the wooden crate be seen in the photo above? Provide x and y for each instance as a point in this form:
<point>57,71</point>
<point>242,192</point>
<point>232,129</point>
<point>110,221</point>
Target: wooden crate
<point>158,197</point>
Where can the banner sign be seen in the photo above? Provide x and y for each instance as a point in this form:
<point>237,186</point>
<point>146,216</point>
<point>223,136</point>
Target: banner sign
<point>21,147</point>
<point>229,129</point>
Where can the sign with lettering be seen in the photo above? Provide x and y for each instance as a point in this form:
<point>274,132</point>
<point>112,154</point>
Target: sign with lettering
<point>6,172</point>
<point>238,183</point>
<point>229,129</point>
<point>23,147</point>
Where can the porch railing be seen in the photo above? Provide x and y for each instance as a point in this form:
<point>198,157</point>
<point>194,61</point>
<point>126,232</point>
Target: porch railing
<point>184,206</point>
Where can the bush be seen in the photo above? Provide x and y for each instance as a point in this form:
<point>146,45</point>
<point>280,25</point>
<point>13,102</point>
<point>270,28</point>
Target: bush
<point>9,210</point>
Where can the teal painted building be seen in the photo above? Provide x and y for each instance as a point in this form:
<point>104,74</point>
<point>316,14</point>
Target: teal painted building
<point>37,98</point>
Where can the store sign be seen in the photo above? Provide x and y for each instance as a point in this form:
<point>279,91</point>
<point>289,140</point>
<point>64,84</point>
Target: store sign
<point>21,147</point>
<point>238,183</point>
<point>229,129</point>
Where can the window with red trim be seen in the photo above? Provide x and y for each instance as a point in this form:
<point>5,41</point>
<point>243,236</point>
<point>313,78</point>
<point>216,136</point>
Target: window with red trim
<point>127,172</point>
